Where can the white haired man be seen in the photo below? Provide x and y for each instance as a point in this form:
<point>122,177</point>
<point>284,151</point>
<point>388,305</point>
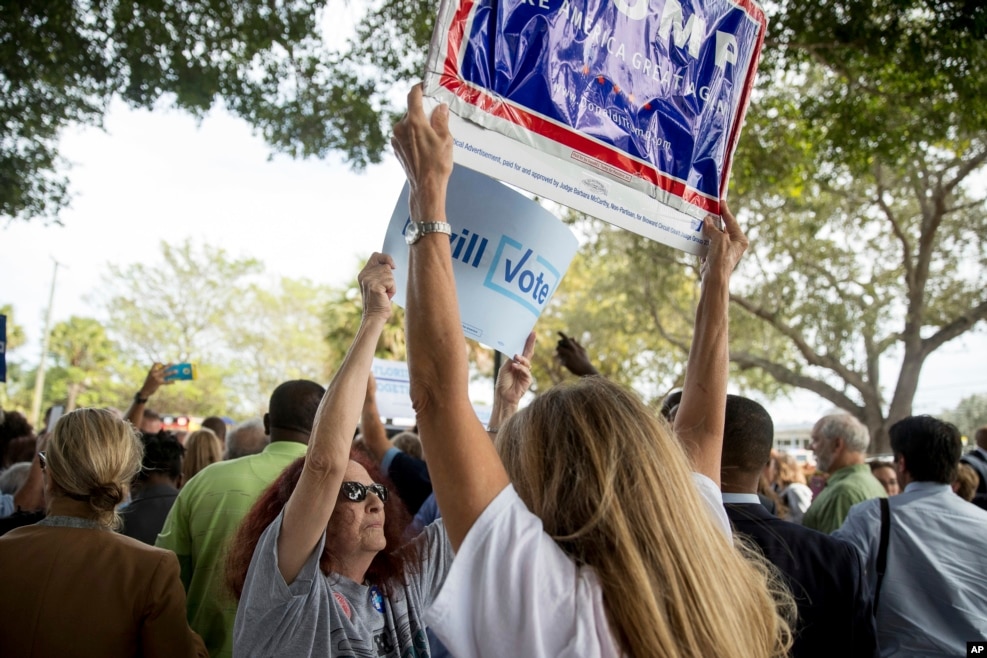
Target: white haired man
<point>840,442</point>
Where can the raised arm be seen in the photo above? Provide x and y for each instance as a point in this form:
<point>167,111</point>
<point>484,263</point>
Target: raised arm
<point>371,427</point>
<point>701,413</point>
<point>155,379</point>
<point>513,381</point>
<point>573,356</point>
<point>311,503</point>
<point>465,469</point>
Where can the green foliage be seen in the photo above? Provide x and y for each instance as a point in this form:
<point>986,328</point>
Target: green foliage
<point>201,305</point>
<point>969,415</point>
<point>15,332</point>
<point>61,62</point>
<point>277,335</point>
<point>342,318</point>
<point>629,302</point>
<point>82,358</point>
<point>180,310</point>
<point>882,76</point>
<point>855,178</point>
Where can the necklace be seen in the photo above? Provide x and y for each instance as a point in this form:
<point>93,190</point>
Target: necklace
<point>71,522</point>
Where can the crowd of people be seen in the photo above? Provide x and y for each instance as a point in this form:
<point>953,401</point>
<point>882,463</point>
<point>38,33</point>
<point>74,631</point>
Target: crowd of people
<point>584,524</point>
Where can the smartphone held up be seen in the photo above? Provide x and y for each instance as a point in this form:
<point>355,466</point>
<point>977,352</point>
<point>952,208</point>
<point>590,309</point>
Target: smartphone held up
<point>181,372</point>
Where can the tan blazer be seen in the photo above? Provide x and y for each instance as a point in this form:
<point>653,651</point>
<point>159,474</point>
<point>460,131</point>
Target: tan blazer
<point>83,592</point>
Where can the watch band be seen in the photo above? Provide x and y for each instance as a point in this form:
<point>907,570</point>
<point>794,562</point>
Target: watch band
<point>139,400</point>
<point>416,230</point>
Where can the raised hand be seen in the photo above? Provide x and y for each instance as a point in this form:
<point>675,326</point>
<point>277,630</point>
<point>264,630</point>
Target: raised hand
<point>726,245</point>
<point>514,378</point>
<point>377,286</point>
<point>155,379</point>
<point>423,145</point>
<point>573,356</point>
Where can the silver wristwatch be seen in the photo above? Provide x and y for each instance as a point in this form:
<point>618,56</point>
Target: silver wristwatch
<point>417,229</point>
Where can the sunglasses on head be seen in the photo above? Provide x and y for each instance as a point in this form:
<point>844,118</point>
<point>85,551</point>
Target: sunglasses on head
<point>43,459</point>
<point>357,493</point>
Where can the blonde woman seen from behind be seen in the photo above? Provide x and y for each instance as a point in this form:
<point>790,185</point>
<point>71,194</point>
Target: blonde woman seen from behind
<point>202,448</point>
<point>81,588</point>
<point>595,531</point>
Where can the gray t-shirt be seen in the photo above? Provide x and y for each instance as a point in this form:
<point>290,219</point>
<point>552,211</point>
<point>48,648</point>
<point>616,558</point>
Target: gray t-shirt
<point>319,615</point>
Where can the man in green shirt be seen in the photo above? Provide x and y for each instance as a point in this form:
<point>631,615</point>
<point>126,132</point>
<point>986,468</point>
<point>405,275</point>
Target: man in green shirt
<point>840,442</point>
<point>211,505</point>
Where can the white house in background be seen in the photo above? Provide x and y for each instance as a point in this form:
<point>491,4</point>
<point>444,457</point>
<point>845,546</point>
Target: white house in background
<point>795,440</point>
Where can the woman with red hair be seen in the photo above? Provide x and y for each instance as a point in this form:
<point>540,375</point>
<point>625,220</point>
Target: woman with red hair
<point>317,563</point>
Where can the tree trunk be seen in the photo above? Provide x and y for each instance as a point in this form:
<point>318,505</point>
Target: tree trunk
<point>74,389</point>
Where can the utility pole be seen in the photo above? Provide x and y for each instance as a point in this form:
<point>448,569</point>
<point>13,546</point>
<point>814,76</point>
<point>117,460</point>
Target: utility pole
<point>498,361</point>
<point>39,379</point>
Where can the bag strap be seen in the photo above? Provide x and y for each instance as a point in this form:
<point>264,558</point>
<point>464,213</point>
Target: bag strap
<point>882,550</point>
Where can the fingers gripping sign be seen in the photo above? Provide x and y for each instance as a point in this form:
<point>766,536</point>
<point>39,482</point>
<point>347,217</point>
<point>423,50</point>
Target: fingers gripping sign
<point>423,145</point>
<point>377,286</point>
<point>726,245</point>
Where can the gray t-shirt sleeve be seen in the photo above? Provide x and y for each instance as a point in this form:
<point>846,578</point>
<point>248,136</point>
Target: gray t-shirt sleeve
<point>437,555</point>
<point>272,615</point>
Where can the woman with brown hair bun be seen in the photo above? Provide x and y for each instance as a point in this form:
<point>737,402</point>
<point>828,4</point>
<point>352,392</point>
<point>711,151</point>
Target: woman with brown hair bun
<point>81,589</point>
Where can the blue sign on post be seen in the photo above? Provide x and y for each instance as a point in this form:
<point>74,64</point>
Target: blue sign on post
<point>629,110</point>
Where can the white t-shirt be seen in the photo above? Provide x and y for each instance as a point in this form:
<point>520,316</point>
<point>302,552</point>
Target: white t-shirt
<point>511,590</point>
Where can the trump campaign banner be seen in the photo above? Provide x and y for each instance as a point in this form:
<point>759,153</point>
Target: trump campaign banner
<point>627,110</point>
<point>508,256</point>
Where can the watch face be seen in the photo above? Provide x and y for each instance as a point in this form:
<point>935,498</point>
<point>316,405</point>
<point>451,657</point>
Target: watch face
<point>411,235</point>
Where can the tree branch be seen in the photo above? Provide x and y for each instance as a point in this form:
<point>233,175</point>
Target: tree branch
<point>965,170</point>
<point>964,206</point>
<point>785,375</point>
<point>906,248</point>
<point>811,356</point>
<point>955,328</point>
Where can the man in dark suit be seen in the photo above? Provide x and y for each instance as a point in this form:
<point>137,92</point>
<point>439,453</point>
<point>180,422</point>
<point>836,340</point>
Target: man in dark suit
<point>825,575</point>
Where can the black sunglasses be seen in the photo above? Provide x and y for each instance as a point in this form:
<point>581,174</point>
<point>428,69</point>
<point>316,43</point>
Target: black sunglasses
<point>43,459</point>
<point>357,493</point>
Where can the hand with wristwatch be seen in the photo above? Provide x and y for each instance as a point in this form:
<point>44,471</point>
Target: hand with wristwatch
<point>416,230</point>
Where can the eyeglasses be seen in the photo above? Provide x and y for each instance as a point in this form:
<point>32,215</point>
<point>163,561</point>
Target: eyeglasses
<point>43,459</point>
<point>357,493</point>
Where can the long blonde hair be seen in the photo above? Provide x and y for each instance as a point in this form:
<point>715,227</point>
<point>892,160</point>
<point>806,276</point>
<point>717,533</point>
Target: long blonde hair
<point>92,456</point>
<point>789,470</point>
<point>202,448</point>
<point>613,487</point>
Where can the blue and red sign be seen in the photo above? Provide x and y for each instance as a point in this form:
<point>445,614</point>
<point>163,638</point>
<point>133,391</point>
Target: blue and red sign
<point>644,94</point>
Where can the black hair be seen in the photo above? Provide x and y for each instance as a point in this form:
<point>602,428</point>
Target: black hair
<point>747,435</point>
<point>14,426</point>
<point>931,448</point>
<point>162,454</point>
<point>217,425</point>
<point>294,404</point>
<point>671,401</point>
